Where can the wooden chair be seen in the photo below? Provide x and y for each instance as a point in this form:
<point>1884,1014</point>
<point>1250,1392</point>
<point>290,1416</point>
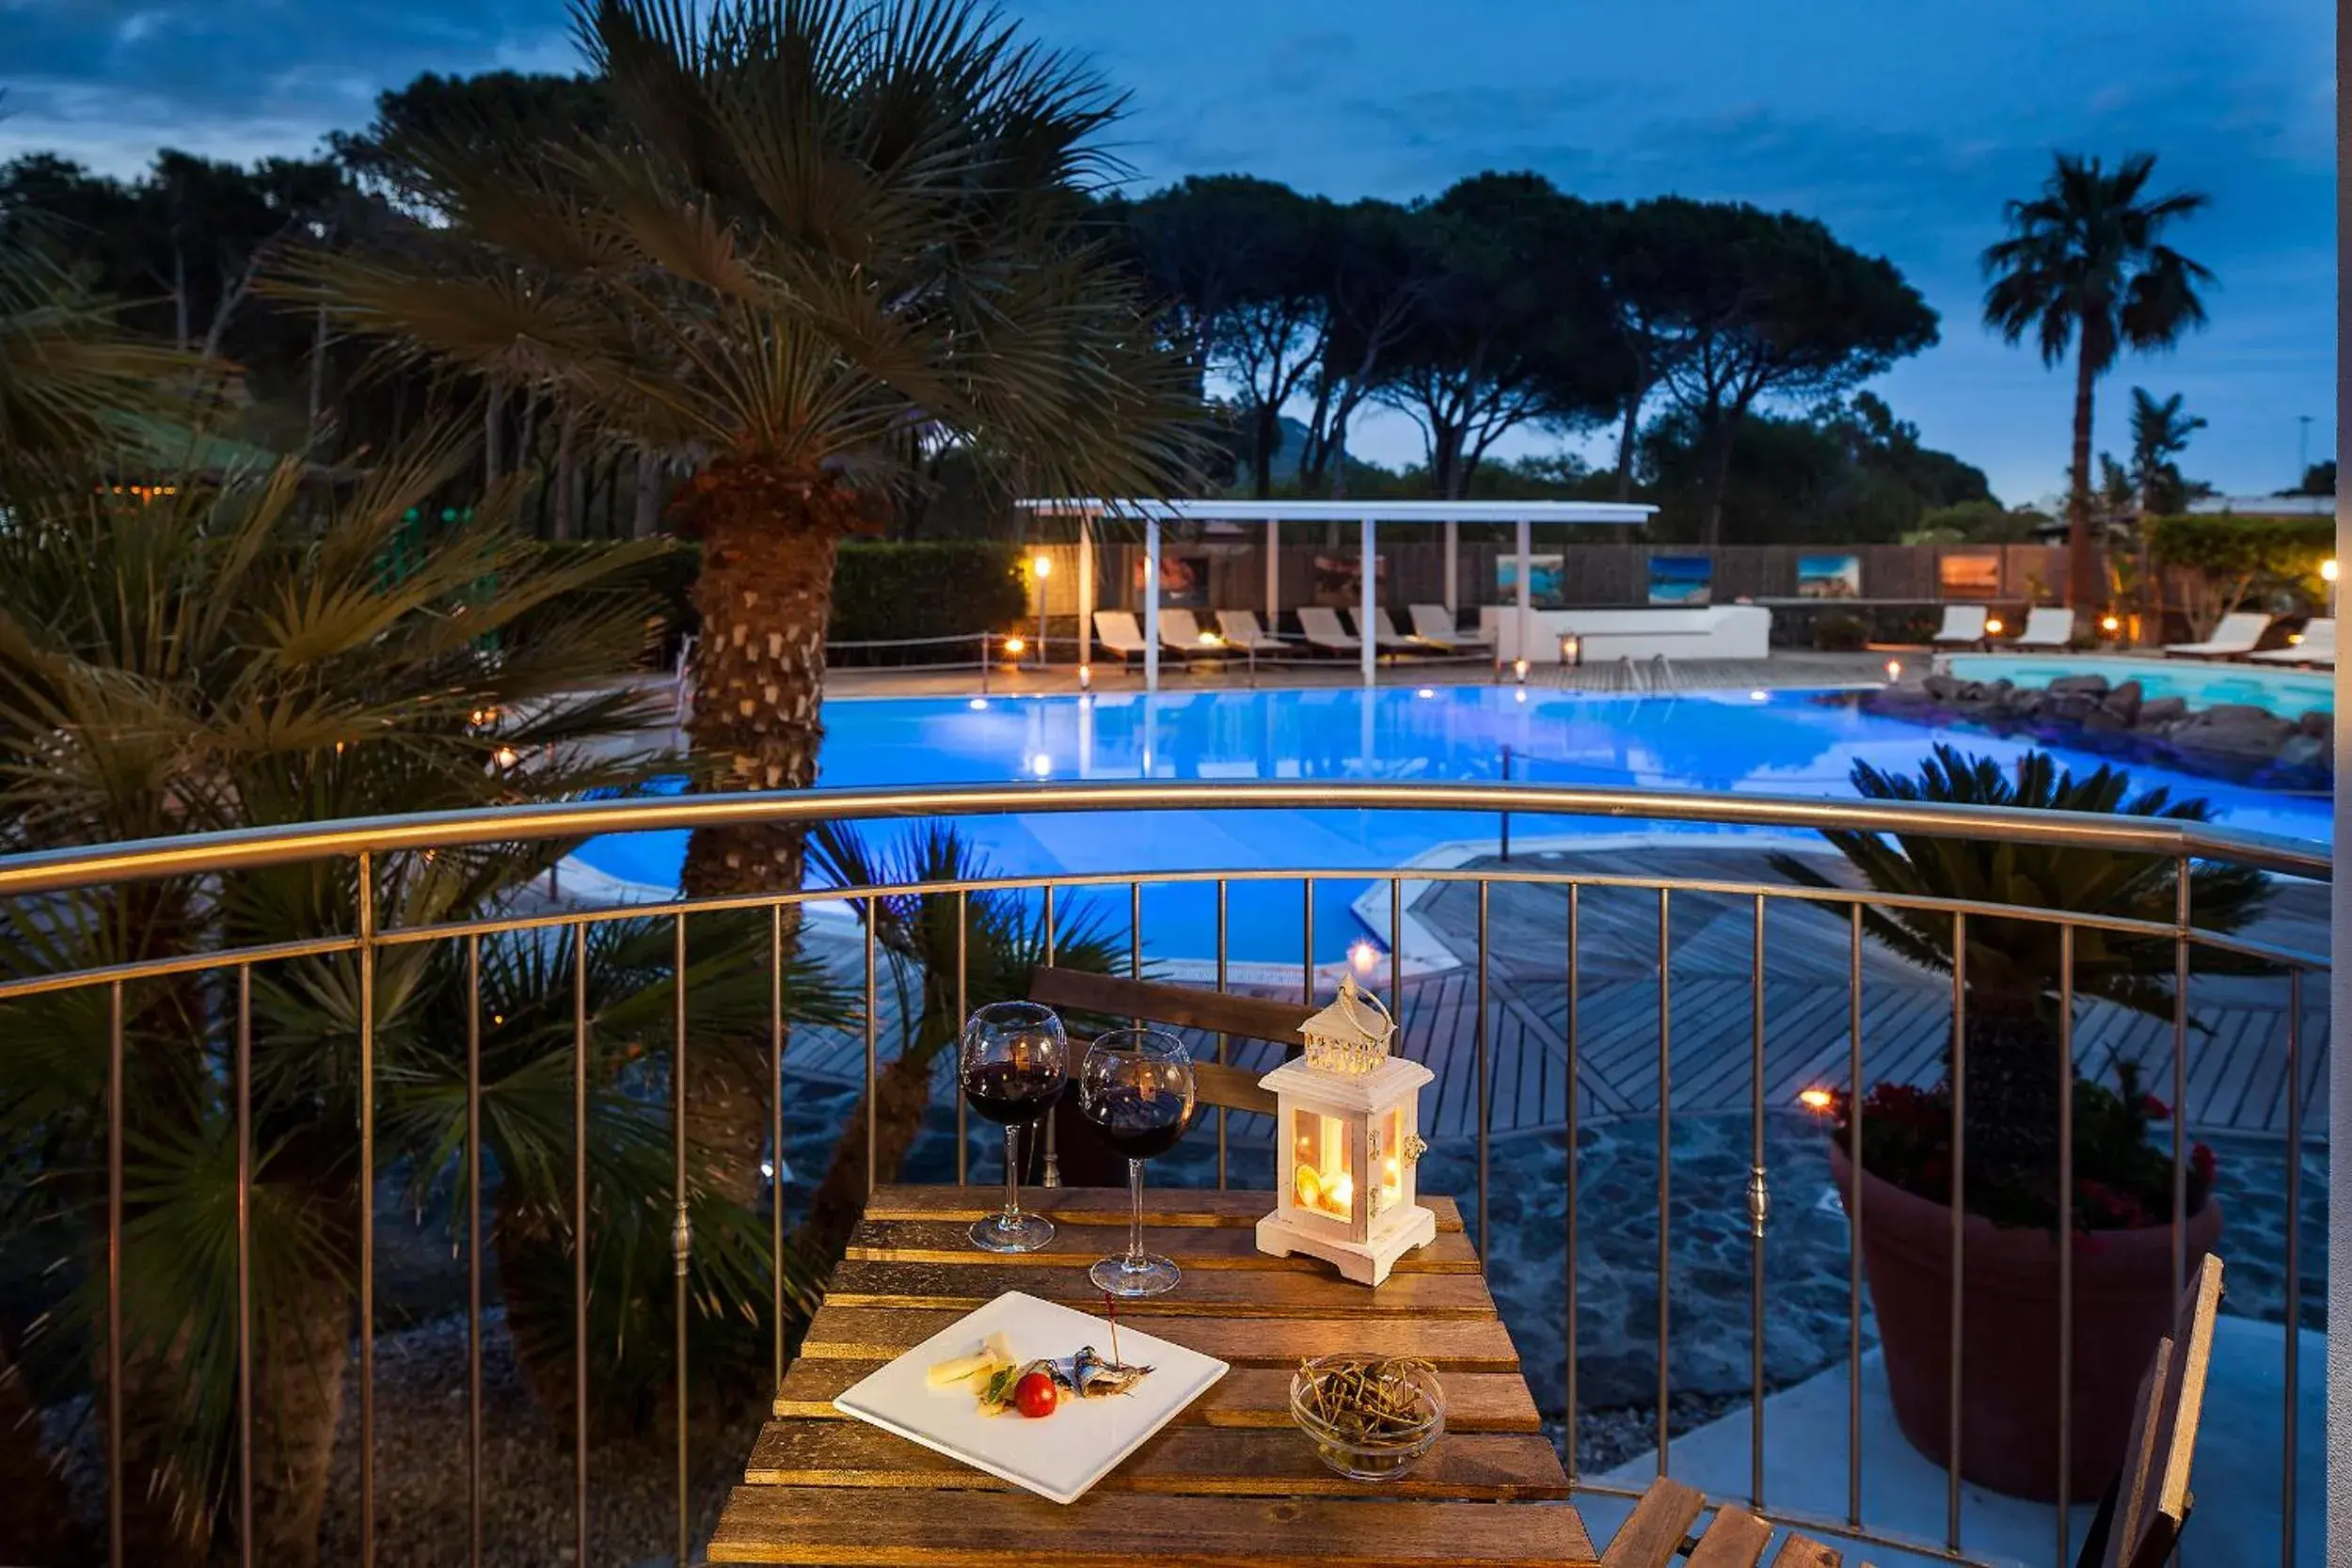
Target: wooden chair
<point>2137,1524</point>
<point>1081,1157</point>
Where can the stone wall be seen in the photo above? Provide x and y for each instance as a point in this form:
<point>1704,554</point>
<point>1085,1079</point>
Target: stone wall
<point>2235,741</point>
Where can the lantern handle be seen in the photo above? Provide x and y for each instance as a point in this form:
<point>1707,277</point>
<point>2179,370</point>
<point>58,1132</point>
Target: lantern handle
<point>1351,994</point>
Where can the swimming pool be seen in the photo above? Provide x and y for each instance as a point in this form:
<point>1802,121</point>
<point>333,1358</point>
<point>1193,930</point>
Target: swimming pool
<point>2289,694</point>
<point>1775,743</point>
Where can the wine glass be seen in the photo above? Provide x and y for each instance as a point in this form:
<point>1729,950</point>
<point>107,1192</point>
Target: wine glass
<point>1013,1060</point>
<point>1136,1086</point>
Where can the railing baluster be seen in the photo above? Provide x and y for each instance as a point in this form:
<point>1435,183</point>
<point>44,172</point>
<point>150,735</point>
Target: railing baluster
<point>1050,1173</point>
<point>473,1250</point>
<point>2291,1436</point>
<point>367,1209</point>
<point>2066,1234</point>
<point>1959,1191</point>
<point>245,1265</point>
<point>1853,1219</point>
<point>2180,1076</point>
<point>1568,1375</point>
<point>963,1010</point>
<point>1222,1039</point>
<point>114,1273</point>
<point>1135,935</point>
<point>1307,939</point>
<point>873,1113</point>
<point>580,1243</point>
<point>682,1224</point>
<point>1396,950</point>
<point>1666,1139</point>
<point>1486,1106</point>
<point>776,1141</point>
<point>1760,1202</point>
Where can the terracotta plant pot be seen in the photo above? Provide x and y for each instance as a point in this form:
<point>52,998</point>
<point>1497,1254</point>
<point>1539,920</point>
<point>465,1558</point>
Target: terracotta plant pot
<point>2009,1416</point>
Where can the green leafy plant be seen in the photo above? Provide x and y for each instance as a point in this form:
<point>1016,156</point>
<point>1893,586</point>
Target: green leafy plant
<point>2217,563</point>
<point>1839,632</point>
<point>2014,969</point>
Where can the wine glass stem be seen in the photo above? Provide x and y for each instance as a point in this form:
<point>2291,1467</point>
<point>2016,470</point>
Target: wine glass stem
<point>1134,1213</point>
<point>1012,1172</point>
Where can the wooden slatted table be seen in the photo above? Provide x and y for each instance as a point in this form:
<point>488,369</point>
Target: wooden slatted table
<point>1231,1480</point>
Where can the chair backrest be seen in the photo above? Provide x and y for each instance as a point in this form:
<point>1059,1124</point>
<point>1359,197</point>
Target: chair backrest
<point>2319,633</point>
<point>1382,627</point>
<point>1178,630</point>
<point>1240,626</point>
<point>1116,629</point>
<point>2151,1499</point>
<point>1962,622</point>
<point>2244,627</point>
<point>2048,623</point>
<point>1217,1012</point>
<point>1322,622</point>
<point>1433,621</point>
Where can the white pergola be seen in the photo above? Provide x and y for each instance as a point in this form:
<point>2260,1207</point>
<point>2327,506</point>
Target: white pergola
<point>1367,514</point>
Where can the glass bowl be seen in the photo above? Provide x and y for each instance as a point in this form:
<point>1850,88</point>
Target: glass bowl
<point>1382,1456</point>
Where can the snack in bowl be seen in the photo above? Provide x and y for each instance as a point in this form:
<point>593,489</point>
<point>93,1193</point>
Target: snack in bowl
<point>1371,1418</point>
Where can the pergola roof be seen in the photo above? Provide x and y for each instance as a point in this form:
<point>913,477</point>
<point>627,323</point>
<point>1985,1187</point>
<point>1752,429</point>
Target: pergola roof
<point>1345,511</point>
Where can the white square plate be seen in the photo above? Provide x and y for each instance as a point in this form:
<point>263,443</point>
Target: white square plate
<point>1061,1455</point>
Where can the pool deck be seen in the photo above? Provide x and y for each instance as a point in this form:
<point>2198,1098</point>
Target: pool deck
<point>2234,1071</point>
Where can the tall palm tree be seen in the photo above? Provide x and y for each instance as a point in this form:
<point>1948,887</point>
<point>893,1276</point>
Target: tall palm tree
<point>821,223</point>
<point>2085,266</point>
<point>2160,432</point>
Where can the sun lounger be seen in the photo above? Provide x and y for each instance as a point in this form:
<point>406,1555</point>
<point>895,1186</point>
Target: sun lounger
<point>1181,635</point>
<point>2235,637</point>
<point>1116,632</point>
<point>2318,646</point>
<point>1433,623</point>
<point>1242,631</point>
<point>1323,630</point>
<point>1385,636</point>
<point>1964,626</point>
<point>2050,628</point>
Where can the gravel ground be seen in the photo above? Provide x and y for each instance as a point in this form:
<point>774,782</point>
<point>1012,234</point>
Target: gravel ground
<point>527,1491</point>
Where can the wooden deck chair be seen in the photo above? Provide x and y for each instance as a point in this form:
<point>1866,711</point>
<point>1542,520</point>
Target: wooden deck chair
<point>1242,630</point>
<point>1433,623</point>
<point>1659,1528</point>
<point>1385,636</point>
<point>1181,634</point>
<point>2139,1520</point>
<point>2238,635</point>
<point>1081,1155</point>
<point>2318,646</point>
<point>2048,628</point>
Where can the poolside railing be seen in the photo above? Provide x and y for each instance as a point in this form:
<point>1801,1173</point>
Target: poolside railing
<point>374,850</point>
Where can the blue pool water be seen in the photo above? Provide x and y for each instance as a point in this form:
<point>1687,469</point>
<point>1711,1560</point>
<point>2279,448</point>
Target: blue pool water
<point>2289,694</point>
<point>1781,743</point>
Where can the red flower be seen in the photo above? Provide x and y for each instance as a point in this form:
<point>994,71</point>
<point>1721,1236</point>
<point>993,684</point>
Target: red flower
<point>2201,1161</point>
<point>2153,1108</point>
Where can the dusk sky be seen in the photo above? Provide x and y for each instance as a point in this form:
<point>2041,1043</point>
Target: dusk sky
<point>1903,127</point>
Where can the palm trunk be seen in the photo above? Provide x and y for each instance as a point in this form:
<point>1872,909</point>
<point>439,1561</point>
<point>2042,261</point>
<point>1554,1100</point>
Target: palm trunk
<point>318,374</point>
<point>298,1400</point>
<point>646,520</point>
<point>902,1092</point>
<point>566,482</point>
<point>37,1523</point>
<point>765,589</point>
<point>2011,1115</point>
<point>2082,588</point>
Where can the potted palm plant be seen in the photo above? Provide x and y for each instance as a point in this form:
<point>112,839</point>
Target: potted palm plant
<point>2119,1218</point>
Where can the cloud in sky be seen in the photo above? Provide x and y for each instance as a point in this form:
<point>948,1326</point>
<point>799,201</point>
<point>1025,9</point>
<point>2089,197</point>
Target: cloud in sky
<point>1902,127</point>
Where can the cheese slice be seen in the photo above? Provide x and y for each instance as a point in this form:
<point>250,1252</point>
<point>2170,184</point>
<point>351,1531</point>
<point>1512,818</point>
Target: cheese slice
<point>947,1374</point>
<point>997,1347</point>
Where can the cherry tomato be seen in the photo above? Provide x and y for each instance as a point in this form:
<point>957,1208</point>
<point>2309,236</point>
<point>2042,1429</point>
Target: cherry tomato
<point>1035,1395</point>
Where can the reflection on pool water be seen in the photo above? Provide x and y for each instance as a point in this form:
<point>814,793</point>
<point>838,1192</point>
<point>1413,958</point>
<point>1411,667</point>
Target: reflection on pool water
<point>2289,694</point>
<point>1775,743</point>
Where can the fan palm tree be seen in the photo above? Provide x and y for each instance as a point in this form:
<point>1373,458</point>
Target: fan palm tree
<point>819,224</point>
<point>236,654</point>
<point>2085,266</point>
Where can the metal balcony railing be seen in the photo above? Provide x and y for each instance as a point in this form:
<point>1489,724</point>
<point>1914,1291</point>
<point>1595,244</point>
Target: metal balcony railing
<point>379,851</point>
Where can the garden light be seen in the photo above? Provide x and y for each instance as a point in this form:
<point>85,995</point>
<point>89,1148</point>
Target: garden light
<point>1085,677</point>
<point>1817,1100</point>
<point>2327,570</point>
<point>1518,671</point>
<point>1041,567</point>
<point>1894,671</point>
<point>2110,623</point>
<point>1015,646</point>
<point>1992,626</point>
<point>506,756</point>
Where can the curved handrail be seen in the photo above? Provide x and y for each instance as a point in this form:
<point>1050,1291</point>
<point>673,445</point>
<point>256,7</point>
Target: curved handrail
<point>196,854</point>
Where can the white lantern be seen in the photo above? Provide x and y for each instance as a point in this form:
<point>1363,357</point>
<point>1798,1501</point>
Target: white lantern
<point>1347,1117</point>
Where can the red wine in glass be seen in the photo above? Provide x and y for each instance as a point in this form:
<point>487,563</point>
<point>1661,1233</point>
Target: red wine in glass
<point>1136,1086</point>
<point>1013,1060</point>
